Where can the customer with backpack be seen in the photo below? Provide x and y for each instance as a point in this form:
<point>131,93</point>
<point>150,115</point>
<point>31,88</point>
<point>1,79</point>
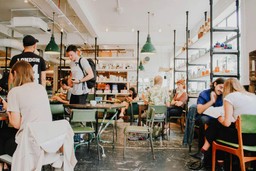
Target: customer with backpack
<point>81,73</point>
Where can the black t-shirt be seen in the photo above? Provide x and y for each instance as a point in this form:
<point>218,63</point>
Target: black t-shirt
<point>37,62</point>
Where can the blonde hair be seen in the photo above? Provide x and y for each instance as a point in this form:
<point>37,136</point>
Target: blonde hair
<point>232,85</point>
<point>22,72</point>
<point>158,80</point>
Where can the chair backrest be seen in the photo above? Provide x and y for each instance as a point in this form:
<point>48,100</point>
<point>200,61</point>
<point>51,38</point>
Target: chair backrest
<point>133,107</point>
<point>159,109</point>
<point>82,115</point>
<point>150,117</point>
<point>248,123</point>
<point>57,109</point>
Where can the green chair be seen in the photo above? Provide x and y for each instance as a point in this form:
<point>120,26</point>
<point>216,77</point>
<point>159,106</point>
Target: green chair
<point>58,111</point>
<point>82,123</point>
<point>133,111</point>
<point>160,117</point>
<point>182,117</point>
<point>245,124</point>
<point>146,129</point>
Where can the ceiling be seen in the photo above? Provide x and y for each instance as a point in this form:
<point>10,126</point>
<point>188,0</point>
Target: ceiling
<point>121,18</point>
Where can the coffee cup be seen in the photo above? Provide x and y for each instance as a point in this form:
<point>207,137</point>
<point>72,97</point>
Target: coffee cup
<point>93,102</point>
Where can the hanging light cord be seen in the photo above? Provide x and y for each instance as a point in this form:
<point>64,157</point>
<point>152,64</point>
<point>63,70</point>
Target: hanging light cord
<point>53,23</point>
<point>148,22</point>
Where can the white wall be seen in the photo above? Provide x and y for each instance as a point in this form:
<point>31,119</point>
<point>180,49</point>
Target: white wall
<point>248,36</point>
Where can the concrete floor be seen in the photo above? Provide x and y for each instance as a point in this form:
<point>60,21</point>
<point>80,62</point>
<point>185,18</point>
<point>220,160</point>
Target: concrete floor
<point>169,157</point>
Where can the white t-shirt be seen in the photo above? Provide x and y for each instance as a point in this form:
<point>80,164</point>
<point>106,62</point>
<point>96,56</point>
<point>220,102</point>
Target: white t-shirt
<point>78,74</point>
<point>32,102</point>
<point>242,103</point>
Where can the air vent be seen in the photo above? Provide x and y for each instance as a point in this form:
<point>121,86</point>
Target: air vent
<point>29,25</point>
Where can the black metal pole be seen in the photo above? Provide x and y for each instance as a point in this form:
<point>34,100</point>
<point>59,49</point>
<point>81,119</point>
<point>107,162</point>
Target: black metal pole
<point>211,39</point>
<point>237,39</point>
<point>95,60</point>
<point>61,44</point>
<point>138,58</point>
<point>6,58</point>
<point>174,54</point>
<point>187,36</point>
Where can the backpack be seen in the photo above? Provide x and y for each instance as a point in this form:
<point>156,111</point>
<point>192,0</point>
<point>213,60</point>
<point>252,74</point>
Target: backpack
<point>90,83</point>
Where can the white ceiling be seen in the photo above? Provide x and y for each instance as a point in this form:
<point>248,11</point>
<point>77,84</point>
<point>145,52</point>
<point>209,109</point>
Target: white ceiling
<point>118,16</point>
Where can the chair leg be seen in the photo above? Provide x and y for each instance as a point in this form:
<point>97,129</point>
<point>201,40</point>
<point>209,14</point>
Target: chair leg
<point>124,145</point>
<point>113,136</point>
<point>152,147</point>
<point>230,162</point>
<point>98,149</point>
<point>242,163</point>
<point>213,156</point>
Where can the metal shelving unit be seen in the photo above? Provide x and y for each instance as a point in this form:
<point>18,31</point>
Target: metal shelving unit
<point>215,52</point>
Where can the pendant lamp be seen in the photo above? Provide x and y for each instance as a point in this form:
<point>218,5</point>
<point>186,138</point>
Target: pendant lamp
<point>148,47</point>
<point>141,67</point>
<point>52,47</point>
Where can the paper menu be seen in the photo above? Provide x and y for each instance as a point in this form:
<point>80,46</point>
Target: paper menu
<point>214,112</point>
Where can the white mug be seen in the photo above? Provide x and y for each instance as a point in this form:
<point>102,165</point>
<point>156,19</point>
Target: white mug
<point>93,102</point>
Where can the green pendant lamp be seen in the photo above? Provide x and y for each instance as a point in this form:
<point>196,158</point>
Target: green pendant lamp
<point>52,47</point>
<point>148,47</point>
<point>141,67</point>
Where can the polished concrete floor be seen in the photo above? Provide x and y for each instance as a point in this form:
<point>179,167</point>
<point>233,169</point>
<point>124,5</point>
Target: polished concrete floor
<point>171,156</point>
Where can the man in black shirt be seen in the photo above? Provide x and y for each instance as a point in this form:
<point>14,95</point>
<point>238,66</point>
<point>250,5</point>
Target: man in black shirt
<point>36,61</point>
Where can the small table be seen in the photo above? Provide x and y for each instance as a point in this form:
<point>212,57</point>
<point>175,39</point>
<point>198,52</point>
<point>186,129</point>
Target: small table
<point>142,107</point>
<point>98,106</point>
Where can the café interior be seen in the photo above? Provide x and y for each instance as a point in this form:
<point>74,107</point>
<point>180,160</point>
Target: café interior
<point>184,42</point>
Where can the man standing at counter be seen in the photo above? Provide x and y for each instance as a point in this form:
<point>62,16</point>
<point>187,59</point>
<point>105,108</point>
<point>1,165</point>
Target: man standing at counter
<point>36,61</point>
<point>79,75</point>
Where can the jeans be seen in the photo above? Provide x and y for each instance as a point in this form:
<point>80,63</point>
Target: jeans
<point>201,120</point>
<point>189,129</point>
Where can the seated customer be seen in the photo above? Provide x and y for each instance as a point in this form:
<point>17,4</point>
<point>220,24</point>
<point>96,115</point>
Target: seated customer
<point>207,98</point>
<point>27,102</point>
<point>237,101</point>
<point>131,97</point>
<point>64,98</point>
<point>157,95</point>
<point>179,100</point>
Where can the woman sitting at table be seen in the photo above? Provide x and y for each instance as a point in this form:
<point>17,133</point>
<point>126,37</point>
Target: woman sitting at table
<point>236,101</point>
<point>63,98</point>
<point>179,100</point>
<point>130,98</point>
<point>27,102</point>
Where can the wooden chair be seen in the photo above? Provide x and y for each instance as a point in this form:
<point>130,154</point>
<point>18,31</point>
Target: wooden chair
<point>146,129</point>
<point>244,124</point>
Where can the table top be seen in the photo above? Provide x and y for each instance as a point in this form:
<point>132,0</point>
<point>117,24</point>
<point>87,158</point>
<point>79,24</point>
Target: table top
<point>97,106</point>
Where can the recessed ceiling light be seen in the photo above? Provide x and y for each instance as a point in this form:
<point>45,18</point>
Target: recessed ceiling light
<point>133,29</point>
<point>26,1</point>
<point>159,30</point>
<point>106,29</point>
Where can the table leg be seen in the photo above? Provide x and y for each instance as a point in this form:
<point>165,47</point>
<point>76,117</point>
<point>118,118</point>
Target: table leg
<point>102,128</point>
